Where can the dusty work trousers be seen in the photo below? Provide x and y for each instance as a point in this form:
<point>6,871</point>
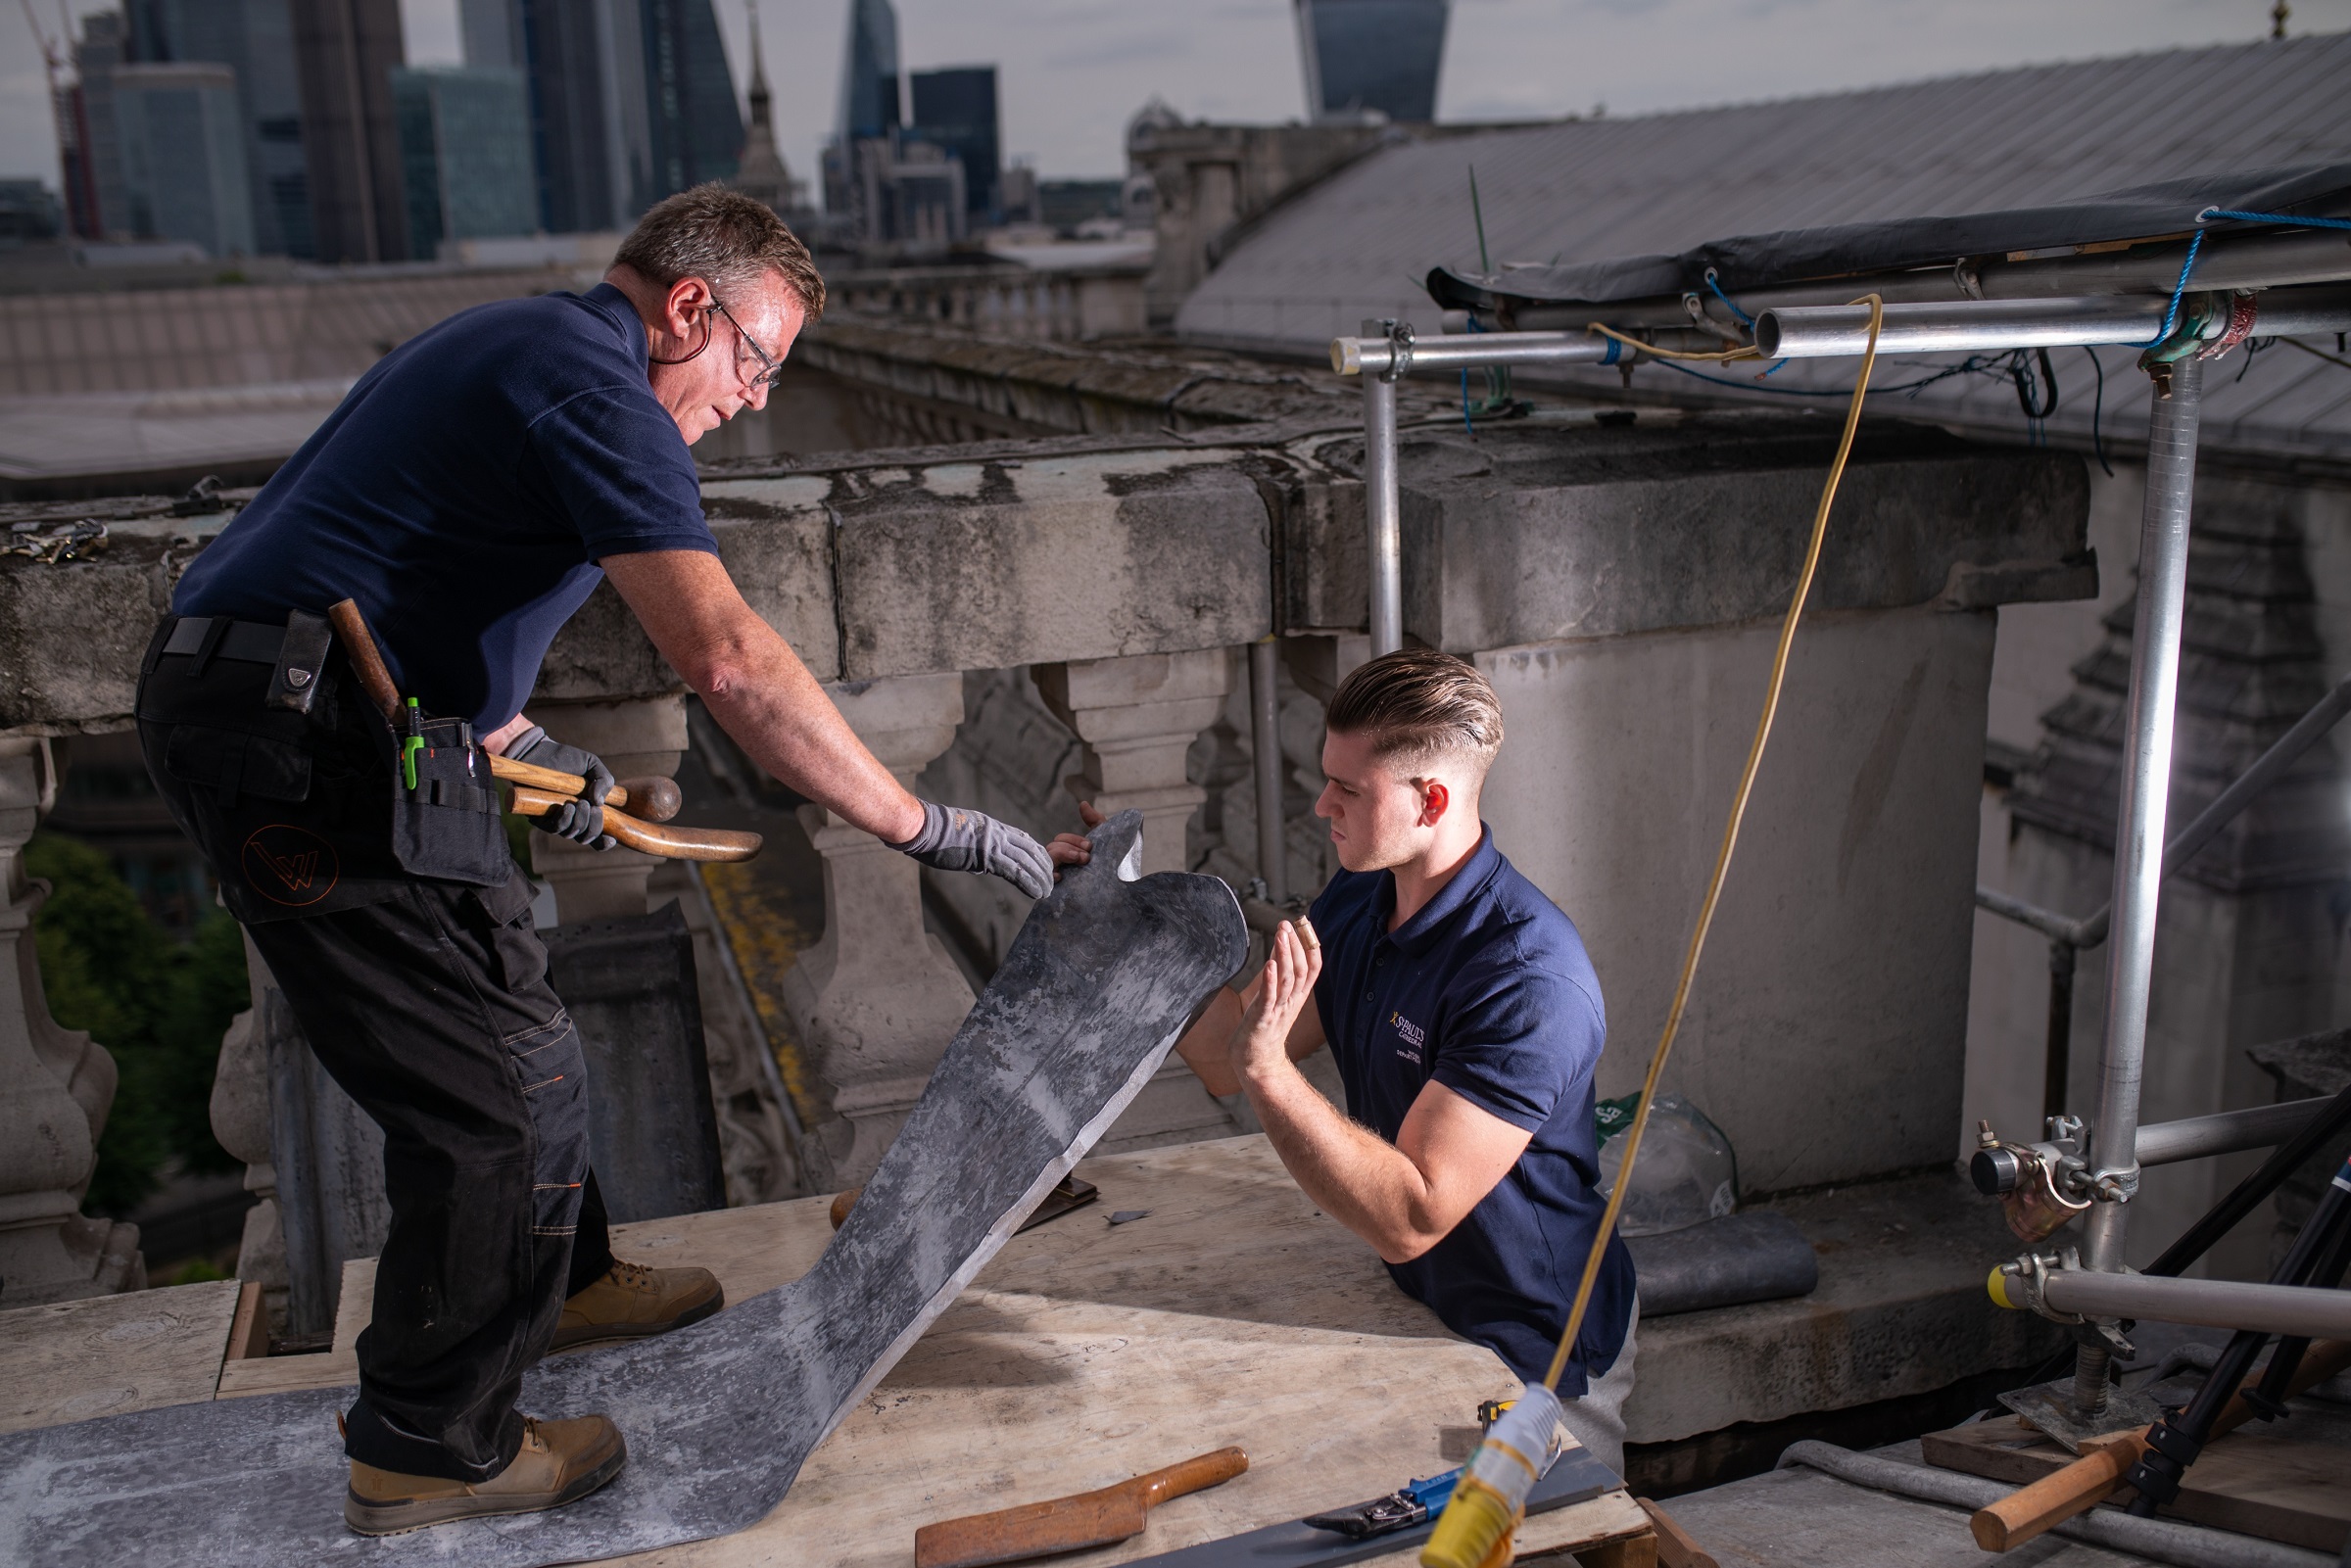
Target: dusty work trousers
<point>428,1002</point>
<point>1597,1415</point>
<point>433,1011</point>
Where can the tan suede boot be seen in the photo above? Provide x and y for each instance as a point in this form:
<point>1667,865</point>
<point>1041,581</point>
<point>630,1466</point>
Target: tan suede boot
<point>560,1462</point>
<point>632,1302</point>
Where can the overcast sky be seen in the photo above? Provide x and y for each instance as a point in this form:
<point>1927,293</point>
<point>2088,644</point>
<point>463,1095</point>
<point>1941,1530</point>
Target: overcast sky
<point>1072,72</point>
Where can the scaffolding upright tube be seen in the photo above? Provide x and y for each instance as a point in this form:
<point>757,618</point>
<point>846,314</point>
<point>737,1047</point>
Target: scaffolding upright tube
<point>2139,829</point>
<point>1383,508</point>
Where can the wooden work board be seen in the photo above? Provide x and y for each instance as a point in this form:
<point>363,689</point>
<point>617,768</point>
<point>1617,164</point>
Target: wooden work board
<point>1231,1312</point>
<point>2281,1489</point>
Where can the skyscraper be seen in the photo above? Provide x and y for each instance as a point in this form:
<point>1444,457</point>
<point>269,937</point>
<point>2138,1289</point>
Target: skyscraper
<point>105,206</point>
<point>869,106</point>
<point>344,52</point>
<point>255,39</point>
<point>1371,56</point>
<point>465,154</point>
<point>630,100</point>
<point>180,130</point>
<point>955,110</point>
<point>695,129</point>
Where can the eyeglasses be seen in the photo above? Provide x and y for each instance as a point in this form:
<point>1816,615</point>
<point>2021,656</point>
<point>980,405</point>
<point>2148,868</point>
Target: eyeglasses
<point>770,368</point>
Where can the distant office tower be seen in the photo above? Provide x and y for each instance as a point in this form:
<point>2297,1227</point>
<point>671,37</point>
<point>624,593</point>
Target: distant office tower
<point>690,97</point>
<point>180,130</point>
<point>101,204</point>
<point>630,100</point>
<point>955,110</point>
<point>759,171</point>
<point>255,38</point>
<point>870,106</point>
<point>465,153</point>
<point>492,32</point>
<point>345,51</point>
<point>1371,56</point>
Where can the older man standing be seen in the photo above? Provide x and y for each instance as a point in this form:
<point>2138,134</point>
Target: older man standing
<point>469,493</point>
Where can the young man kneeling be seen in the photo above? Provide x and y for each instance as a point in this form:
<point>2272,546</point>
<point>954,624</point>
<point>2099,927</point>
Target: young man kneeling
<point>1466,1023</point>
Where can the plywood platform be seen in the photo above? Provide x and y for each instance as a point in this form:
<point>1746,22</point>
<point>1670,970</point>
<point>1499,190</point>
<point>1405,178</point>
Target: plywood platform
<point>1085,1352</point>
<point>2290,1483</point>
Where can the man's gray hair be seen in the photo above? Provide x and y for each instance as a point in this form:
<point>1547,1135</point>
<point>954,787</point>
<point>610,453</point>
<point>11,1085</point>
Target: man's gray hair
<point>725,238</point>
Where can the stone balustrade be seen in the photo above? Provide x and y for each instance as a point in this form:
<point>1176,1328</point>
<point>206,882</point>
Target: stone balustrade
<point>1619,583</point>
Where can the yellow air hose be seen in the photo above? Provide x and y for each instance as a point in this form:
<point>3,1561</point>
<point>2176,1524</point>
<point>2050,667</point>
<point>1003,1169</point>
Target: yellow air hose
<point>1471,1534</point>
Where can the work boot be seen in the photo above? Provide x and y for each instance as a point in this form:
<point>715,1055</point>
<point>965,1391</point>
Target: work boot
<point>558,1462</point>
<point>632,1301</point>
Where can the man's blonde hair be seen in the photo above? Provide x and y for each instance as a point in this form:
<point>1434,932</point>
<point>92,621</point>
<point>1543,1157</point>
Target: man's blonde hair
<point>1417,706</point>
<point>725,238</point>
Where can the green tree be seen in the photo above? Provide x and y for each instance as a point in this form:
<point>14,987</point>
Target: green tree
<point>158,1005</point>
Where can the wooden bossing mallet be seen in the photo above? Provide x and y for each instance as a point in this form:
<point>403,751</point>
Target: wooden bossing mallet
<point>633,809</point>
<point>2083,1484</point>
<point>1070,1524</point>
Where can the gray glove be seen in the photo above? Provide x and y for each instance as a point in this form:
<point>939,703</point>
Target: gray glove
<point>581,820</point>
<point>957,838</point>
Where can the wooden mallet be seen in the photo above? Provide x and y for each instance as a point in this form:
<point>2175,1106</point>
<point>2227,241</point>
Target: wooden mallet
<point>633,810</point>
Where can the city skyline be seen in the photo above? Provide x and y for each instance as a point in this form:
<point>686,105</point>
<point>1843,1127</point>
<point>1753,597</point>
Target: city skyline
<point>1072,72</point>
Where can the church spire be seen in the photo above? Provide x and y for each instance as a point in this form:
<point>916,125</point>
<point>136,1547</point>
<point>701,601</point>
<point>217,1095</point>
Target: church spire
<point>759,94</point>
<point>759,171</point>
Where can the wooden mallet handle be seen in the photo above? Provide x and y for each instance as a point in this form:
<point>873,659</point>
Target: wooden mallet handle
<point>646,799</point>
<point>360,644</point>
<point>671,843</point>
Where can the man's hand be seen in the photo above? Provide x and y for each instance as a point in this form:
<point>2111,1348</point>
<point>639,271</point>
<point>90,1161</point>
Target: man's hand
<point>958,838</point>
<point>1260,1046</point>
<point>581,820</point>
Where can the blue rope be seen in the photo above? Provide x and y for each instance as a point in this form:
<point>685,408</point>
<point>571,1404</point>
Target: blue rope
<point>2171,312</point>
<point>1744,320</point>
<point>2274,218</point>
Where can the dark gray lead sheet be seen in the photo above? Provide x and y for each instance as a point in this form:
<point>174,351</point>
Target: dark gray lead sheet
<point>719,1417</point>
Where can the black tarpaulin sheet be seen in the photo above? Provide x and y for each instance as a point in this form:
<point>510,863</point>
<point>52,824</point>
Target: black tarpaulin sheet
<point>1761,260</point>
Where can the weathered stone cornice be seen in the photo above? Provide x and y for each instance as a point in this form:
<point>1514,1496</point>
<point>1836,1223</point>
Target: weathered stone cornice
<point>1014,554</point>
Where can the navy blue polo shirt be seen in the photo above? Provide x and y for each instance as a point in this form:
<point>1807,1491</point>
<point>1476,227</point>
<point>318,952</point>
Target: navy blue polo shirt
<point>1488,991</point>
<point>462,494</point>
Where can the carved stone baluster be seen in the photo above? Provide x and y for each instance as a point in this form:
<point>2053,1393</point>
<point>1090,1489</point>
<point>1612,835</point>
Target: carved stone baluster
<point>55,1086</point>
<point>1139,717</point>
<point>636,739</point>
<point>876,1000</point>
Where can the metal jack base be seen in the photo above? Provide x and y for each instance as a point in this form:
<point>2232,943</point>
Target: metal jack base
<point>2050,1408</point>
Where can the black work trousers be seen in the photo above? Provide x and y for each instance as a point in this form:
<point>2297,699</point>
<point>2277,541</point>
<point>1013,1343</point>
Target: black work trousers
<point>428,1002</point>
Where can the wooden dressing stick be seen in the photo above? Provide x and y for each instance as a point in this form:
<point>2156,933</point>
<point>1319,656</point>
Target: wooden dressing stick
<point>1068,1524</point>
<point>2083,1485</point>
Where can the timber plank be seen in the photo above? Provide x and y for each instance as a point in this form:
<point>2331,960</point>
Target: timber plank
<point>2277,1487</point>
<point>105,1355</point>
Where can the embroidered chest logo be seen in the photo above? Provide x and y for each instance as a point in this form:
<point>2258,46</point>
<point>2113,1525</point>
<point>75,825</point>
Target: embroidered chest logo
<point>1411,1035</point>
<point>289,864</point>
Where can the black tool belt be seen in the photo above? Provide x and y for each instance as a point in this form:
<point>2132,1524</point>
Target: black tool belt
<point>292,782</point>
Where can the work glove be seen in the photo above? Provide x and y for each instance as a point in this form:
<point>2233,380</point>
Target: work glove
<point>581,820</point>
<point>958,838</point>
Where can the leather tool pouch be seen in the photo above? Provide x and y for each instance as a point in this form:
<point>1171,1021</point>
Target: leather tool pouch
<point>448,826</point>
<point>301,663</point>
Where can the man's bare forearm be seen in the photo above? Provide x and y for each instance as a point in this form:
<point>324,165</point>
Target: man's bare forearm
<point>774,709</point>
<point>1355,1176</point>
<point>758,690</point>
<point>1207,1046</point>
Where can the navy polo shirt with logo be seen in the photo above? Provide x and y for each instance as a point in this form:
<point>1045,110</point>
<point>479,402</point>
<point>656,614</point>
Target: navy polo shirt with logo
<point>464,492</point>
<point>1489,992</point>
